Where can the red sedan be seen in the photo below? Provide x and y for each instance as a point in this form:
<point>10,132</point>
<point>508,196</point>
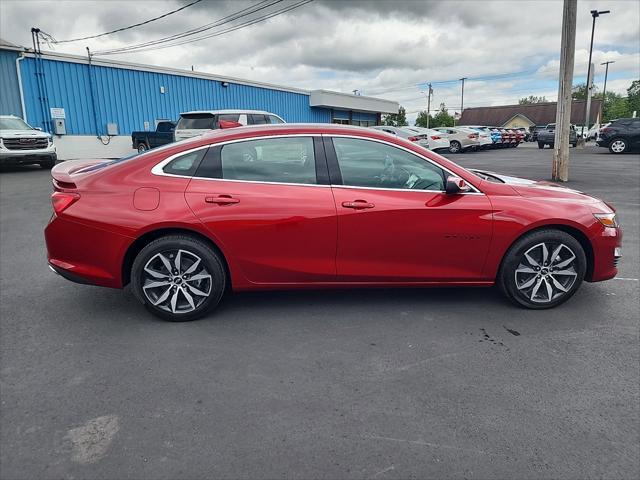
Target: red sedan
<point>318,206</point>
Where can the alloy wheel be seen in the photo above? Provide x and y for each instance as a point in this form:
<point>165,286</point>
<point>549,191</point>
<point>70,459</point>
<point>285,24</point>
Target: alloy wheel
<point>618,146</point>
<point>546,272</point>
<point>176,281</point>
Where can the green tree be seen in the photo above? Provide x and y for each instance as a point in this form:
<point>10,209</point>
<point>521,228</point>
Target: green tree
<point>531,99</point>
<point>633,97</point>
<point>421,120</point>
<point>615,106</point>
<point>396,119</point>
<point>442,118</point>
<point>579,92</point>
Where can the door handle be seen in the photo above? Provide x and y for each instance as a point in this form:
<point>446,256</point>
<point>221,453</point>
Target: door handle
<point>358,204</point>
<point>222,200</point>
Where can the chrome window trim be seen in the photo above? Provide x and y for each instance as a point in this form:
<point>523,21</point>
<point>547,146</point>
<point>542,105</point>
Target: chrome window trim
<point>475,192</point>
<point>158,168</point>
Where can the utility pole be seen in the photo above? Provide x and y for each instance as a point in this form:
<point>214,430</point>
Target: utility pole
<point>604,89</point>
<point>560,168</point>
<point>595,14</point>
<point>462,96</point>
<point>429,93</point>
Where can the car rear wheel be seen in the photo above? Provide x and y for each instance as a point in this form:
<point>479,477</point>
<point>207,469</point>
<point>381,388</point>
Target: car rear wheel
<point>142,147</point>
<point>455,146</point>
<point>540,145</point>
<point>618,145</point>
<point>542,269</point>
<point>178,278</point>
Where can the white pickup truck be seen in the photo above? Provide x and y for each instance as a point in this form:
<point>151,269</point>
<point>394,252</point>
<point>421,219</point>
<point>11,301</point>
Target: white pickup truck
<point>21,144</point>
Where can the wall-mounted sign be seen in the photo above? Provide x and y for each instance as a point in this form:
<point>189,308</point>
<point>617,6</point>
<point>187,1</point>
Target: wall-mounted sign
<point>57,113</point>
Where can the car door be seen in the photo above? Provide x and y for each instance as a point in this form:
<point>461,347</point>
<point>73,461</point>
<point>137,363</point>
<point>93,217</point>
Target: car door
<point>396,223</point>
<point>269,203</point>
<point>634,133</point>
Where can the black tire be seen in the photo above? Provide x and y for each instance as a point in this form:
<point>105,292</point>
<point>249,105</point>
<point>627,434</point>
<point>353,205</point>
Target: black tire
<point>191,248</point>
<point>49,164</point>
<point>618,145</point>
<point>574,145</point>
<point>540,145</point>
<point>455,147</point>
<point>142,147</point>
<point>542,276</point>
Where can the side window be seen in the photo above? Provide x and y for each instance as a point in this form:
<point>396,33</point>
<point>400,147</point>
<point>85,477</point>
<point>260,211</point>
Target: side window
<point>286,160</point>
<point>229,117</point>
<point>365,163</point>
<point>165,127</point>
<point>186,164</point>
<point>274,119</point>
<point>257,119</point>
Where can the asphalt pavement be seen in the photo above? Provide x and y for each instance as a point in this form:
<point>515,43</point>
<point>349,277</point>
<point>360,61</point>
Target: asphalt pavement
<point>434,383</point>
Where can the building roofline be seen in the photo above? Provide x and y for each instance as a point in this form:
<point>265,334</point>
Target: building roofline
<point>528,104</point>
<point>57,56</point>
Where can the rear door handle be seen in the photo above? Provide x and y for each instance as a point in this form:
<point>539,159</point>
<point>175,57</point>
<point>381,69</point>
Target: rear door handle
<point>358,204</point>
<point>222,200</point>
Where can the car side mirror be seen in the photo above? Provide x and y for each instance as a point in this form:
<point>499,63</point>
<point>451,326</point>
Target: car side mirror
<point>456,185</point>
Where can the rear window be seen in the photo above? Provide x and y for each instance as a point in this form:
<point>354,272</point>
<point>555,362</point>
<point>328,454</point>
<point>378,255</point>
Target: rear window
<point>195,121</point>
<point>274,119</point>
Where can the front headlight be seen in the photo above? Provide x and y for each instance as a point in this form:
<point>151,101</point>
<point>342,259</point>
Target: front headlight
<point>607,219</point>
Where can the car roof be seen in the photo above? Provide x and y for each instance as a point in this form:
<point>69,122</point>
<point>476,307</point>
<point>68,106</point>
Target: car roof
<point>218,112</point>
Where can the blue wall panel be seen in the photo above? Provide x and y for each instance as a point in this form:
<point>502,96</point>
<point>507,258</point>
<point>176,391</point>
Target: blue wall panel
<point>9,90</point>
<point>131,97</point>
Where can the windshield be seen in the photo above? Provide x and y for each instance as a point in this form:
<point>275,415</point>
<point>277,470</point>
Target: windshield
<point>195,121</point>
<point>13,124</point>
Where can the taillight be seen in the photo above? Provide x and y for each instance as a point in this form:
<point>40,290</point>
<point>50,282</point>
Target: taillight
<point>63,200</point>
<point>413,139</point>
<point>435,137</point>
<point>605,130</point>
<point>473,135</point>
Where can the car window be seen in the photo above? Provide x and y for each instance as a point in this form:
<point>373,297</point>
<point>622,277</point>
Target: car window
<point>365,163</point>
<point>195,121</point>
<point>257,119</point>
<point>165,127</point>
<point>186,164</point>
<point>287,160</point>
<point>274,119</point>
<point>227,117</point>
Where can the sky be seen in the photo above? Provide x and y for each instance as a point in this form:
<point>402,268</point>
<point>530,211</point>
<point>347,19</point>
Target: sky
<point>383,48</point>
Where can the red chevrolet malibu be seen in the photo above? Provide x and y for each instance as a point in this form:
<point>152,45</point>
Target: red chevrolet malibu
<point>318,206</point>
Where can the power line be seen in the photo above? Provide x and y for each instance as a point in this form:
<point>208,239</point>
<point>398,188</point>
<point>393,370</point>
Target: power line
<point>135,49</point>
<point>130,26</point>
<point>203,28</point>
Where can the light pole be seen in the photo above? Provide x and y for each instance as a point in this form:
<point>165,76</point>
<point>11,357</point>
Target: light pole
<point>604,89</point>
<point>595,14</point>
<point>429,93</point>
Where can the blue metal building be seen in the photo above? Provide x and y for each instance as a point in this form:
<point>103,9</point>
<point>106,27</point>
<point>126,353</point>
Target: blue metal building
<point>90,95</point>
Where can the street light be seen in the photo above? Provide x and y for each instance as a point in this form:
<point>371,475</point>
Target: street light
<point>595,14</point>
<point>606,74</point>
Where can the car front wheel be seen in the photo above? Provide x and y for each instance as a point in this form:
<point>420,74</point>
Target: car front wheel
<point>618,145</point>
<point>178,278</point>
<point>542,269</point>
<point>540,145</point>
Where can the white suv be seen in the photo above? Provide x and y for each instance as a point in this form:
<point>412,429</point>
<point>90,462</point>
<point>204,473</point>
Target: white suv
<point>21,144</point>
<point>196,123</point>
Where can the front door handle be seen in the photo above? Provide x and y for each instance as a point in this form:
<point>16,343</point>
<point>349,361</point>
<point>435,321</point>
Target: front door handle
<point>222,200</point>
<point>358,204</point>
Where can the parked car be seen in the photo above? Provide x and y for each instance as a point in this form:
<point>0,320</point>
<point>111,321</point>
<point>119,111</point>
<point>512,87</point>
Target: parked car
<point>460,140</point>
<point>493,135</point>
<point>196,123</point>
<point>143,141</point>
<point>437,141</point>
<point>620,136</point>
<point>317,206</point>
<point>484,138</point>
<point>403,132</point>
<point>535,131</point>
<point>548,136</point>
<point>592,133</point>
<point>21,144</point>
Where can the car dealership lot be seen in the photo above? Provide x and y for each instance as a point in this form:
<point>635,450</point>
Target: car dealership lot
<point>347,384</point>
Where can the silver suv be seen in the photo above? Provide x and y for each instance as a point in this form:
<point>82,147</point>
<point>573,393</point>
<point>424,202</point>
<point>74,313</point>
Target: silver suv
<point>192,124</point>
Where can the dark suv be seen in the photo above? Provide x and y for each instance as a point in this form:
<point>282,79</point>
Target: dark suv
<point>621,135</point>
